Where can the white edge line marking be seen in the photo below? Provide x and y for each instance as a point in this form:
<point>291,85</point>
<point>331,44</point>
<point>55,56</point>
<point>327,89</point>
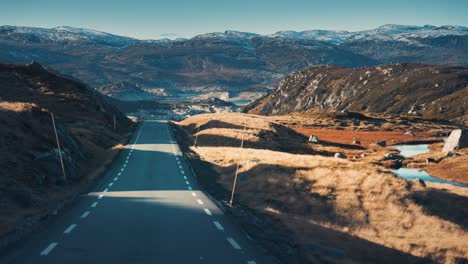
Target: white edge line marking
<point>94,204</point>
<point>218,226</point>
<point>48,249</point>
<point>85,214</point>
<point>199,201</point>
<point>233,243</point>
<point>207,211</point>
<point>69,229</point>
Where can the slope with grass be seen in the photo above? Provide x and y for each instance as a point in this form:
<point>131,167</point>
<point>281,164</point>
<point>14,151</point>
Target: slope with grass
<point>324,209</point>
<point>31,179</point>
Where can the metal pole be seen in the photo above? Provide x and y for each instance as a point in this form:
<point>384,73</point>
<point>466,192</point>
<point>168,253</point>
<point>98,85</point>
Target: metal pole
<point>58,146</point>
<point>237,169</point>
<point>196,138</point>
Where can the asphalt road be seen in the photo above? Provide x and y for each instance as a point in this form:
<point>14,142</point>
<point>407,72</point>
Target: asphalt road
<point>147,209</point>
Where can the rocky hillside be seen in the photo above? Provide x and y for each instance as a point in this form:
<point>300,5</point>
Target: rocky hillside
<point>415,89</point>
<point>31,179</point>
<point>132,69</point>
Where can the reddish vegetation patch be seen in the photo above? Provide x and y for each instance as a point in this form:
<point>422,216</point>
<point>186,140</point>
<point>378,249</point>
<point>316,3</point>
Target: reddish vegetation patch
<point>366,137</point>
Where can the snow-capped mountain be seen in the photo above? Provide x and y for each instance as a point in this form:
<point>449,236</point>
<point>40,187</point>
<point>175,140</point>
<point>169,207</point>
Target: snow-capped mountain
<point>62,34</point>
<point>223,61</point>
<point>385,32</point>
<point>228,34</point>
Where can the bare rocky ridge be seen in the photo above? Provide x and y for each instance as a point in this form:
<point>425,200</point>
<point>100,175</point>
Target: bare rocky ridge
<point>412,89</point>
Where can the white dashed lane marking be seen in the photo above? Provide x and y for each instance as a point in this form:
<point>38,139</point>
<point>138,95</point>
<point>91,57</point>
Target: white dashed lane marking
<point>218,226</point>
<point>186,182</point>
<point>85,214</point>
<point>110,184</point>
<point>100,196</point>
<point>194,194</point>
<point>115,178</point>
<point>199,201</point>
<point>233,243</point>
<point>48,249</point>
<point>94,204</point>
<point>105,190</point>
<point>207,211</point>
<point>118,174</point>
<point>190,188</point>
<point>251,262</point>
<point>69,229</point>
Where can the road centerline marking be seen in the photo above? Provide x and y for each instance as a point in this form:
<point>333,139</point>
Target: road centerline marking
<point>233,243</point>
<point>105,190</point>
<point>49,248</point>
<point>218,226</point>
<point>69,229</point>
<point>194,194</point>
<point>207,211</point>
<point>110,184</point>
<point>85,214</point>
<point>94,204</point>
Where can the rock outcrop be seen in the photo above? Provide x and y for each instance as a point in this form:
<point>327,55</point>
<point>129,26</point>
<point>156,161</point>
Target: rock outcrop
<point>458,139</point>
<point>403,89</point>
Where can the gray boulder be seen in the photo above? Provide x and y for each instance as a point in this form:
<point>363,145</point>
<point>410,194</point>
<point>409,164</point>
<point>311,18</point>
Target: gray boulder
<point>340,155</point>
<point>458,139</point>
<point>382,143</point>
<point>313,139</point>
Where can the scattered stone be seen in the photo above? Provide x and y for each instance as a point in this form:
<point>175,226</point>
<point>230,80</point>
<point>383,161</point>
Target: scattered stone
<point>393,156</point>
<point>363,155</point>
<point>442,134</point>
<point>421,182</point>
<point>409,133</point>
<point>340,155</point>
<point>458,139</point>
<point>357,142</point>
<point>313,139</point>
<point>381,143</point>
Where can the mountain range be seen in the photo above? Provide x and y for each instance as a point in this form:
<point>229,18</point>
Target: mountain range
<point>237,62</point>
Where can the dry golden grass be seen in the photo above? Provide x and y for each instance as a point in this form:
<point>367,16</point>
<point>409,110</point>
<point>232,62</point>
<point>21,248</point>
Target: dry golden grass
<point>370,214</point>
<point>16,106</point>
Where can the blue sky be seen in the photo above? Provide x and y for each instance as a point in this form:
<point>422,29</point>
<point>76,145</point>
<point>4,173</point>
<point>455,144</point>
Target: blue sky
<point>185,18</point>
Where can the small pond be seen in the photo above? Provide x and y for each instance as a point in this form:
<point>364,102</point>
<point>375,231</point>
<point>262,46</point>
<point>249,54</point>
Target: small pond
<point>411,173</point>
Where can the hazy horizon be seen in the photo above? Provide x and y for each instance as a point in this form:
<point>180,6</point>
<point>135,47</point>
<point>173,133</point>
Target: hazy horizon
<point>144,19</point>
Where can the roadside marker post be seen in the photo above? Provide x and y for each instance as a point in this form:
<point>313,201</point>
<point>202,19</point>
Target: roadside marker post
<point>237,169</point>
<point>58,146</point>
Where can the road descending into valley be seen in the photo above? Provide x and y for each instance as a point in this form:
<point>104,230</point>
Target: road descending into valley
<point>146,209</point>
